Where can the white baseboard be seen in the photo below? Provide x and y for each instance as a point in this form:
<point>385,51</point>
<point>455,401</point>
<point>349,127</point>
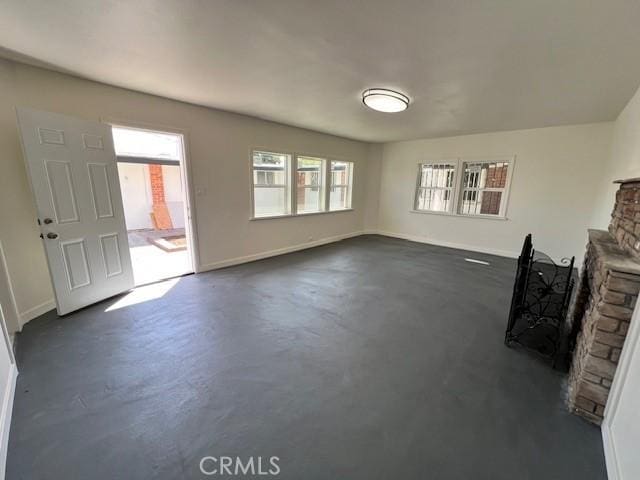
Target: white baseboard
<point>610,456</point>
<point>273,253</point>
<point>5,418</point>
<point>459,246</point>
<point>36,311</point>
<point>337,238</point>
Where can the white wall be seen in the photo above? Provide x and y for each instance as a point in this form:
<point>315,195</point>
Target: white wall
<point>136,195</point>
<point>173,194</point>
<point>373,177</point>
<point>219,145</point>
<point>556,172</point>
<point>135,186</point>
<point>624,159</point>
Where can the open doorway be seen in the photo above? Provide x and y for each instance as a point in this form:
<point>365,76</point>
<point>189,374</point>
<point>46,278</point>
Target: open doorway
<point>151,169</point>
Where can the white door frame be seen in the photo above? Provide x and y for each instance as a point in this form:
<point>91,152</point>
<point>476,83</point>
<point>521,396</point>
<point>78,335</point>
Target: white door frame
<point>6,400</point>
<point>630,352</point>
<point>187,178</point>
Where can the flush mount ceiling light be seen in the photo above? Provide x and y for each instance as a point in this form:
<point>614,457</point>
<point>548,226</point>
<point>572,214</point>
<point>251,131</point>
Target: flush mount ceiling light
<point>384,100</point>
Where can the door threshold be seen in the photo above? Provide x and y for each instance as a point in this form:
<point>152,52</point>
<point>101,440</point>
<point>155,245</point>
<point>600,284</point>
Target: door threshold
<point>163,279</point>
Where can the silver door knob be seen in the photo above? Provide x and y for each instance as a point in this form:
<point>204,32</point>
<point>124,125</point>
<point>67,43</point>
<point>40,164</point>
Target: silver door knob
<point>52,235</point>
<point>47,221</point>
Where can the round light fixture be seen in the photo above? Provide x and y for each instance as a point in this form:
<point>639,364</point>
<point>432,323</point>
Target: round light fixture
<point>385,100</point>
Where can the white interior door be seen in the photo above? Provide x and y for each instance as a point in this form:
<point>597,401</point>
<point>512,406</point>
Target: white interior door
<point>74,178</point>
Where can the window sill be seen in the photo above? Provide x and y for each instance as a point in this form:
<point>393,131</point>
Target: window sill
<point>460,215</point>
<point>293,215</point>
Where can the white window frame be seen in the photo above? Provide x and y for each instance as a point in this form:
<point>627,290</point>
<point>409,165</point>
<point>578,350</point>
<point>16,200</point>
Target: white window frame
<point>452,189</point>
<point>288,187</point>
<point>348,186</point>
<point>458,187</point>
<point>323,184</point>
<point>293,183</point>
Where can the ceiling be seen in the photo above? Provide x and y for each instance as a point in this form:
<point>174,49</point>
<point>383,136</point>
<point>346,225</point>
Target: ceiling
<point>468,66</point>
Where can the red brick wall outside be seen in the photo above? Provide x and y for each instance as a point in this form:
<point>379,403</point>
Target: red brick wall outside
<point>157,183</point>
<point>490,203</point>
<point>160,215</point>
<point>496,178</point>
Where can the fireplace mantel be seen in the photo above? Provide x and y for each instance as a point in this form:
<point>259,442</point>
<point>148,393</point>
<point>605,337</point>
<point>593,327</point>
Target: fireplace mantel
<point>611,254</point>
<point>628,180</point>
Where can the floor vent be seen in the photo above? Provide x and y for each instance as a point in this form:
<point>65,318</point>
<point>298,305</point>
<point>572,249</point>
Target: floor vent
<point>473,260</point>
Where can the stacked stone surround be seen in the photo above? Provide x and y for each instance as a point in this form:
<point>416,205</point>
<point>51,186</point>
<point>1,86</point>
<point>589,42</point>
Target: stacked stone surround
<point>625,219</point>
<point>607,294</point>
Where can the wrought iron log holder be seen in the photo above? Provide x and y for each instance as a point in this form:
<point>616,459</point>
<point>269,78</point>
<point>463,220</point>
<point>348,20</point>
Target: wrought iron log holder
<point>541,295</point>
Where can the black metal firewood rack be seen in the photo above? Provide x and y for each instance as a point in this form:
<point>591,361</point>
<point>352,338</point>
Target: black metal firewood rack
<point>541,294</point>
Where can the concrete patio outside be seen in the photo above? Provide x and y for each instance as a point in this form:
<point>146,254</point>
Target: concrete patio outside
<point>150,262</point>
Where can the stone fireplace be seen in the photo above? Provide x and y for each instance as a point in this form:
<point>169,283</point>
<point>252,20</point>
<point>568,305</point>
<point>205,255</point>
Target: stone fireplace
<point>607,294</point>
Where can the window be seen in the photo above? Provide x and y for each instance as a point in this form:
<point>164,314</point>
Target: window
<point>265,177</point>
<point>286,184</point>
<point>310,185</point>
<point>435,187</point>
<point>271,184</point>
<point>134,142</point>
<point>480,190</point>
<point>483,188</point>
<point>340,191</point>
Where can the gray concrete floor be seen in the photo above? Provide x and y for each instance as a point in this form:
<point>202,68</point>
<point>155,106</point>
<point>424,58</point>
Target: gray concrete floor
<point>372,358</point>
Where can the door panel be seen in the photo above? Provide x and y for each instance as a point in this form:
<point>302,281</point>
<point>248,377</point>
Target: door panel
<point>53,137</point>
<point>100,190</point>
<point>75,262</point>
<point>60,185</point>
<point>111,254</point>
<point>73,171</point>
<point>92,141</point>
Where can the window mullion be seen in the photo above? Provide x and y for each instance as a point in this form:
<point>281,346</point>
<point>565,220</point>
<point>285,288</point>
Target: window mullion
<point>293,189</point>
<point>326,188</point>
<point>458,180</point>
<point>418,189</point>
